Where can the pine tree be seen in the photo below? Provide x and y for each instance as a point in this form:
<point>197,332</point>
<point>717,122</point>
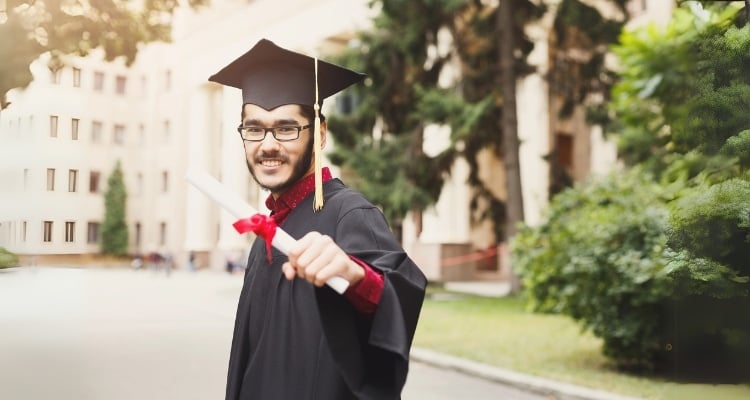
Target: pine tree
<point>404,58</point>
<point>115,227</point>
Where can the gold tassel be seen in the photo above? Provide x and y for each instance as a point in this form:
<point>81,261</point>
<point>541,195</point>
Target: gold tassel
<point>317,139</point>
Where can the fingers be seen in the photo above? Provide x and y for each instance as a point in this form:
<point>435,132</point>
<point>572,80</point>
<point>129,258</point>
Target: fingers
<point>288,271</point>
<point>316,258</point>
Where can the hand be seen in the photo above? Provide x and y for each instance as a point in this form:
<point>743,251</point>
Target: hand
<point>317,258</point>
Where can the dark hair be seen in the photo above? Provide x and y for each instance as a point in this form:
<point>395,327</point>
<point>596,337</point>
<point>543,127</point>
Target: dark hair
<point>307,111</point>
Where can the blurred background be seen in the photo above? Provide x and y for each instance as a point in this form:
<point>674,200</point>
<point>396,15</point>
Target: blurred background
<point>583,158</point>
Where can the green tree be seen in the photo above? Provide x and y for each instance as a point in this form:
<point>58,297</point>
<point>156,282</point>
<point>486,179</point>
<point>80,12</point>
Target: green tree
<point>684,93</point>
<point>29,28</point>
<point>669,290</point>
<point>404,59</point>
<point>683,106</point>
<point>115,227</point>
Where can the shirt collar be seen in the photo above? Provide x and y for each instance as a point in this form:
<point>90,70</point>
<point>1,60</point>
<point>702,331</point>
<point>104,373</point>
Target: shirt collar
<point>294,195</point>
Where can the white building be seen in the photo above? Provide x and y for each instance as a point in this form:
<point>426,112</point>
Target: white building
<point>62,136</point>
<point>64,133</point>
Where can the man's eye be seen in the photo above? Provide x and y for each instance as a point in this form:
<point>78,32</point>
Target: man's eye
<point>286,129</point>
<point>253,129</point>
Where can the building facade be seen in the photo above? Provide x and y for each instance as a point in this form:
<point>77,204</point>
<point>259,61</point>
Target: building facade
<point>62,136</point>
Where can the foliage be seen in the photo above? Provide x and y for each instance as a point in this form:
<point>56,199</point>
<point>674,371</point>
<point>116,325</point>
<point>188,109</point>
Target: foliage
<point>599,257</point>
<point>32,27</point>
<point>7,259</point>
<point>655,261</point>
<point>411,46</point>
<point>710,231</point>
<point>115,227</point>
<point>682,90</point>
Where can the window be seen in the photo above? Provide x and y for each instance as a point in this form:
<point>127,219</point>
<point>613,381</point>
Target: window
<point>164,181</point>
<point>74,128</point>
<point>70,228</point>
<point>144,87</point>
<point>50,179</point>
<point>120,84</point>
<point>92,233</point>
<point>636,7</point>
<point>345,103</point>
<point>96,132</point>
<point>162,233</point>
<point>141,134</point>
<point>98,81</point>
<point>119,137</point>
<point>137,238</point>
<point>167,80</point>
<point>138,184</point>
<point>76,77</point>
<point>47,231</point>
<point>25,179</point>
<point>72,180</point>
<point>167,131</point>
<point>94,177</point>
<point>55,75</point>
<point>564,148</point>
<point>53,126</point>
<point>24,226</point>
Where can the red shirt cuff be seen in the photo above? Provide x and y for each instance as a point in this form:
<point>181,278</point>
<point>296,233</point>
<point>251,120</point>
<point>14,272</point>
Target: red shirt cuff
<point>365,294</point>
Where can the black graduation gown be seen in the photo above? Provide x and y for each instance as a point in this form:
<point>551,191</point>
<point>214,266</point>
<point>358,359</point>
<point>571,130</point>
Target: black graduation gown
<point>295,341</point>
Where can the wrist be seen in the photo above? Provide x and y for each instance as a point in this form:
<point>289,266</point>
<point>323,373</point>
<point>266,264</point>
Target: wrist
<point>357,272</point>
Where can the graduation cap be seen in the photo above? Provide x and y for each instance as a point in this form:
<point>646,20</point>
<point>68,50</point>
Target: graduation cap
<point>270,76</point>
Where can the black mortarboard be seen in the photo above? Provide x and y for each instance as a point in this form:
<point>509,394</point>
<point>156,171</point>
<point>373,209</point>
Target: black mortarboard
<point>270,76</point>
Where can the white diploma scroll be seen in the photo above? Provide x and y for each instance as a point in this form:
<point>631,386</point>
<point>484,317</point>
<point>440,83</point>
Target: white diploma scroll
<point>239,208</point>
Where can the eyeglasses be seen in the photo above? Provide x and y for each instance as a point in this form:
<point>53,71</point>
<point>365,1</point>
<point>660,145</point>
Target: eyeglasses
<point>283,133</point>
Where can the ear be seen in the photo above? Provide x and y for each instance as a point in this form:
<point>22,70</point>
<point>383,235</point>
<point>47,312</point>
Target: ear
<point>323,134</point>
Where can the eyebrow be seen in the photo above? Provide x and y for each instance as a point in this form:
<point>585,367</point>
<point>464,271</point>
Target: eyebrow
<point>278,122</point>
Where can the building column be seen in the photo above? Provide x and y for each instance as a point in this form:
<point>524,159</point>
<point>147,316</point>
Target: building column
<point>233,174</point>
<point>200,212</point>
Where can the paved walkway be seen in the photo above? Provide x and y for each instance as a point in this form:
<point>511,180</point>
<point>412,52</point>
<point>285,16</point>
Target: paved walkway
<point>481,288</point>
<point>121,333</point>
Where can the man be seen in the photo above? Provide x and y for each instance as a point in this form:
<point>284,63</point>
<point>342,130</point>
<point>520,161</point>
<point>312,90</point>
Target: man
<point>294,337</point>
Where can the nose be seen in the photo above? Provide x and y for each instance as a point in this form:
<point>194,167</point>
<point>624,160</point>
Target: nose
<point>269,142</point>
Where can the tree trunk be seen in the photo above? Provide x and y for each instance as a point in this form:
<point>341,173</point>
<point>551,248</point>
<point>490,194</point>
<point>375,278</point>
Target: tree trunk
<point>509,124</point>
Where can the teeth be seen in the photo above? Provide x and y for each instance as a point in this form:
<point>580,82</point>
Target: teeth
<point>270,163</point>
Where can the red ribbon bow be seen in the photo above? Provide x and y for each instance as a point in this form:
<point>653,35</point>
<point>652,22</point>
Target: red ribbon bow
<point>263,226</point>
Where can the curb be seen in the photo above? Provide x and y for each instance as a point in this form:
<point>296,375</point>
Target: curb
<point>555,390</point>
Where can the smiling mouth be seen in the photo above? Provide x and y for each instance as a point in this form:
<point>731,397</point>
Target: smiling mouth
<point>270,163</point>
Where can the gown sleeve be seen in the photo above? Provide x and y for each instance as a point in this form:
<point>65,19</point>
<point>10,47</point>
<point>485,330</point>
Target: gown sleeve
<point>372,352</point>
<point>365,294</point>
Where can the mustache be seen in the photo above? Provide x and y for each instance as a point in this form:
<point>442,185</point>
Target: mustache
<point>270,156</point>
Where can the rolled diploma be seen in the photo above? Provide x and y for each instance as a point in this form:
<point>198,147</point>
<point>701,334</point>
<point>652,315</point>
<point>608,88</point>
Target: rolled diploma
<point>231,202</point>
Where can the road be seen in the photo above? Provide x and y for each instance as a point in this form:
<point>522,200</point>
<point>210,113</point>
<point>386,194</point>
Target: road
<point>117,334</point>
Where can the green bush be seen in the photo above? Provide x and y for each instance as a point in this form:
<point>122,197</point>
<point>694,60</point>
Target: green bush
<point>599,258</point>
<point>659,273</point>
<point>709,260</point>
<point>7,259</point>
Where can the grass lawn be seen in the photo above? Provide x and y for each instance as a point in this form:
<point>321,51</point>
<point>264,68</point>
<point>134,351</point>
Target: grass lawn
<point>498,331</point>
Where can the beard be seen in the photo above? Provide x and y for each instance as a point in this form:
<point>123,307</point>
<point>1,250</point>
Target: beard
<point>299,169</point>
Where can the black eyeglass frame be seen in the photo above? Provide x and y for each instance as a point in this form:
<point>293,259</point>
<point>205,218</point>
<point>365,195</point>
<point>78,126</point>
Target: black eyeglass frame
<point>273,132</point>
